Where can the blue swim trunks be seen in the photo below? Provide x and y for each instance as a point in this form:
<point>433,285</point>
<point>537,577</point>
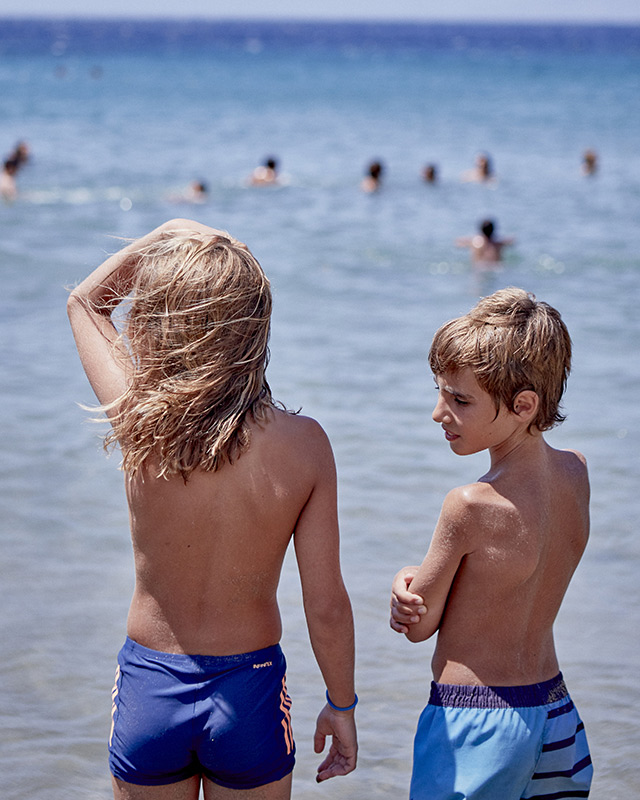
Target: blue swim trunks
<point>500,743</point>
<point>175,716</point>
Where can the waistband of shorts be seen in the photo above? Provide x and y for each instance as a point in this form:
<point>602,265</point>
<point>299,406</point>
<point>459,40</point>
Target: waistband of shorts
<point>465,696</point>
<point>205,663</point>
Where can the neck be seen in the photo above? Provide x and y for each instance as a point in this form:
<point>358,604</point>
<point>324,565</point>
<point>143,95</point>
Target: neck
<point>521,444</point>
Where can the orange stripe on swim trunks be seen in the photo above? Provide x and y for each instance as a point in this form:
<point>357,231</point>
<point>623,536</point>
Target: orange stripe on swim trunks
<point>114,694</point>
<point>285,705</point>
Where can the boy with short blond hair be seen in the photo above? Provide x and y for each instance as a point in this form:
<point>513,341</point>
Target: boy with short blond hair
<point>500,724</point>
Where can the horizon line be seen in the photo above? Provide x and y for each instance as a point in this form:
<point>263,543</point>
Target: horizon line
<point>315,20</point>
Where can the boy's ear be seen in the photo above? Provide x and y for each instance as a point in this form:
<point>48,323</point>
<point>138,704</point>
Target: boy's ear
<point>526,405</point>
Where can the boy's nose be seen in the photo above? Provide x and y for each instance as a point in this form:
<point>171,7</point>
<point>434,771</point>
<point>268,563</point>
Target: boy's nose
<point>438,411</point>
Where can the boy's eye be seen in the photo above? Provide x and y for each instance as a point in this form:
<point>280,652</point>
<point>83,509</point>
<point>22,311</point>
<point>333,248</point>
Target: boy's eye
<point>461,402</point>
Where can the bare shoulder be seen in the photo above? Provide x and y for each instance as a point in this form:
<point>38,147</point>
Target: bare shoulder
<point>574,459</point>
<point>571,474</point>
<point>297,427</point>
<point>472,499</point>
<point>301,438</point>
<point>572,466</point>
<point>466,510</point>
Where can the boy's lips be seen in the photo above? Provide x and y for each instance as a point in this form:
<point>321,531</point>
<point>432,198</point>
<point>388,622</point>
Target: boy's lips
<point>450,436</point>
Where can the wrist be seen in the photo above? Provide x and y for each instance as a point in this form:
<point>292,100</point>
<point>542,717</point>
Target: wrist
<point>332,705</point>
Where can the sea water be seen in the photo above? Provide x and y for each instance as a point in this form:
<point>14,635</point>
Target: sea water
<point>120,117</point>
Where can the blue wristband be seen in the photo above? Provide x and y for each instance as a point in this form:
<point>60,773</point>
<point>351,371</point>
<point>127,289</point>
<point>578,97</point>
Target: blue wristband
<point>341,708</point>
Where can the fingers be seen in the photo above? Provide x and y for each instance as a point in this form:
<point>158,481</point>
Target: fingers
<point>400,586</point>
<point>335,764</point>
<point>403,614</point>
<point>397,627</point>
<point>405,597</point>
<point>407,613</point>
<point>341,760</point>
<point>342,756</point>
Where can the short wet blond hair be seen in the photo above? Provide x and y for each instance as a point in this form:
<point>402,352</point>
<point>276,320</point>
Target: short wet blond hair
<point>197,332</point>
<point>512,342</point>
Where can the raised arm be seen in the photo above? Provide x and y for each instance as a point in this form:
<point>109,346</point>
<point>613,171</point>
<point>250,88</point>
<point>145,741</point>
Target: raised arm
<point>327,609</point>
<point>91,304</point>
<point>450,543</point>
<point>464,241</point>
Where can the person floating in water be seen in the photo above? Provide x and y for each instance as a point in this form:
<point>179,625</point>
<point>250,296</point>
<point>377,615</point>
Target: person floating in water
<point>20,154</point>
<point>10,168</point>
<point>265,174</point>
<point>373,178</point>
<point>500,723</point>
<point>482,172</point>
<point>430,173</point>
<point>8,185</point>
<point>219,480</point>
<point>195,192</point>
<point>589,162</point>
<point>485,249</point>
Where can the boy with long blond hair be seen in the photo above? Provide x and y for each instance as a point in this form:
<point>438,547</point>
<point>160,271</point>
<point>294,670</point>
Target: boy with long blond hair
<point>219,479</point>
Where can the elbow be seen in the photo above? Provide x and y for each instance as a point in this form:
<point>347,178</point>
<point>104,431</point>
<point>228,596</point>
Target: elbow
<point>78,305</point>
<point>415,636</point>
<point>423,630</point>
<point>177,224</point>
<point>74,303</point>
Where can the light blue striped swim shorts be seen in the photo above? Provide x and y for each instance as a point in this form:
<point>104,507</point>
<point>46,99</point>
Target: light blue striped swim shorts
<point>500,743</point>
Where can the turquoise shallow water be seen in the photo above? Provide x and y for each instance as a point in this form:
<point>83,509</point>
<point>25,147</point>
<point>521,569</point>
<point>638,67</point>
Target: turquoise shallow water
<point>119,123</point>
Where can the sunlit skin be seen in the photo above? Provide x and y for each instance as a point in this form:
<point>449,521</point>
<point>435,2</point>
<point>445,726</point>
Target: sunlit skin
<point>469,419</point>
<point>504,548</point>
<point>208,551</point>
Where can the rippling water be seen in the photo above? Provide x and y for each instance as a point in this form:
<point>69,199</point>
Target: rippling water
<point>119,121</point>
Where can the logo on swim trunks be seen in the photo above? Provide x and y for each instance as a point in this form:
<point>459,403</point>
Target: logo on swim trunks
<point>266,664</point>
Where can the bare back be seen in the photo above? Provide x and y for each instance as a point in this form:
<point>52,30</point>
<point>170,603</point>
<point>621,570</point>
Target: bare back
<point>518,537</point>
<point>485,250</point>
<point>208,552</point>
<point>208,549</point>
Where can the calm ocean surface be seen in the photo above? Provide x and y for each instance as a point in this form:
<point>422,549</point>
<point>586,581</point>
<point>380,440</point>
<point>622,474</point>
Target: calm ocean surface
<point>120,118</point>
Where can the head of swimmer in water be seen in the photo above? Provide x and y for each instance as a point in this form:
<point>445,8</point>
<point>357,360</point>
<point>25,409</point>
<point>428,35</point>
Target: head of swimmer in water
<point>487,228</point>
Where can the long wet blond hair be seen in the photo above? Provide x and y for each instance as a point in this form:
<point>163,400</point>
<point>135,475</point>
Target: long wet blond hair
<point>196,331</point>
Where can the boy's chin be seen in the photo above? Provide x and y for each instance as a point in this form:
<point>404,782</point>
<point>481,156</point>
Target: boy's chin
<point>460,449</point>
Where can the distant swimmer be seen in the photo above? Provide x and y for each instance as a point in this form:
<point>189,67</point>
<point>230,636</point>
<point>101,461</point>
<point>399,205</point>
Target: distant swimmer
<point>8,187</point>
<point>371,182</point>
<point>482,172</point>
<point>10,168</point>
<point>485,249</point>
<point>265,174</point>
<point>195,192</point>
<point>589,162</point>
<point>430,173</point>
<point>20,154</point>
